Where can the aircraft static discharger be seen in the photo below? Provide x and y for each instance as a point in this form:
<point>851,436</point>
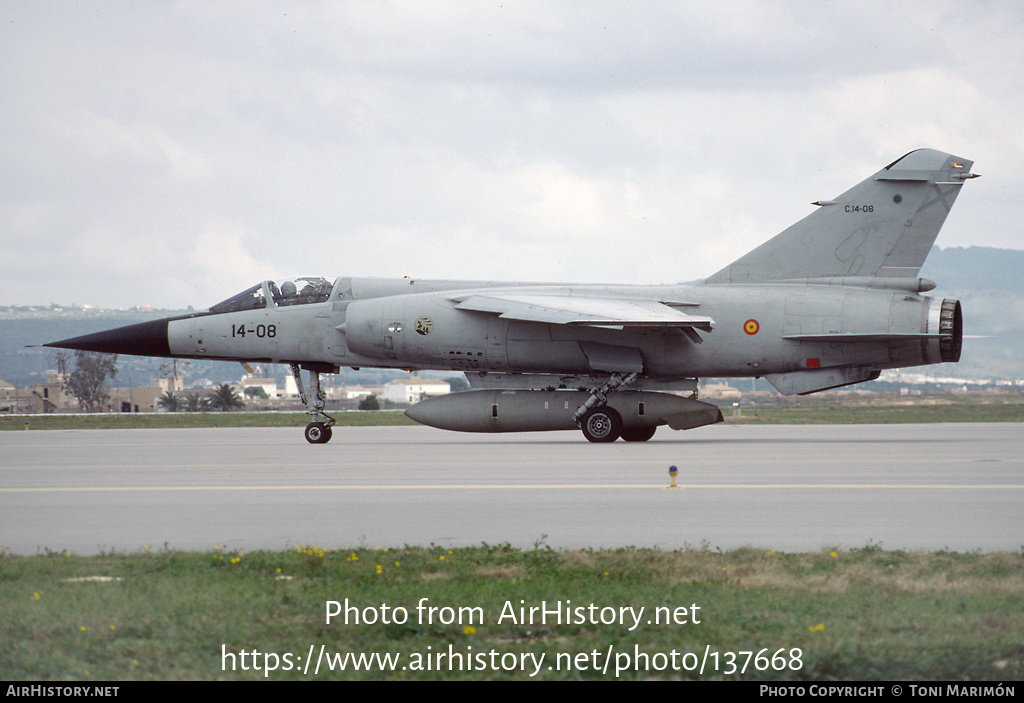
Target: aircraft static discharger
<point>828,302</point>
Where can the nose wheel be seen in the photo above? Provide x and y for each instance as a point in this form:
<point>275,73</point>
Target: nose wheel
<point>318,433</point>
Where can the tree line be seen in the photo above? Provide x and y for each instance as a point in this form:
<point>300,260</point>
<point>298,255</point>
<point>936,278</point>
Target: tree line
<point>224,398</point>
<point>87,383</point>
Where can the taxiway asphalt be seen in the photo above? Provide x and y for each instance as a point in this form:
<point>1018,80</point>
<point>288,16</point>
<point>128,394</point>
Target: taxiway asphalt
<point>784,487</point>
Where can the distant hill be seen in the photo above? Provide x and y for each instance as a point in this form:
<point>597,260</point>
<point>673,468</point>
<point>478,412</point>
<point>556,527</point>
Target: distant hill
<point>990,285</point>
<point>22,364</point>
<point>976,268</point>
<point>23,327</point>
<point>988,282</point>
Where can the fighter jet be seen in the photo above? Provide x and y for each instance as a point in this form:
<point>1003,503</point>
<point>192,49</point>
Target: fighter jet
<point>828,302</point>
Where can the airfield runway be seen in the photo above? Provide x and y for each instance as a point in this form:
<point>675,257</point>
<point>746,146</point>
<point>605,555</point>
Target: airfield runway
<point>788,488</point>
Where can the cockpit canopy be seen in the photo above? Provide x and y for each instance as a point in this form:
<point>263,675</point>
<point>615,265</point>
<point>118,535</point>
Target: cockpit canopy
<point>304,290</point>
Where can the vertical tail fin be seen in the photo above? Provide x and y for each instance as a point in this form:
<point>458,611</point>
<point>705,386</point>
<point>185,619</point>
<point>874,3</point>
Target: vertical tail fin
<point>884,226</point>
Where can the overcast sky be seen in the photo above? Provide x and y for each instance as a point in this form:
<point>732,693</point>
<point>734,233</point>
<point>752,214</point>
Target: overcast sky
<point>174,153</point>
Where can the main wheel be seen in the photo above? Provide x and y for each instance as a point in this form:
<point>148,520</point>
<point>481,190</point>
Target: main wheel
<point>318,433</point>
<point>638,434</point>
<point>602,424</point>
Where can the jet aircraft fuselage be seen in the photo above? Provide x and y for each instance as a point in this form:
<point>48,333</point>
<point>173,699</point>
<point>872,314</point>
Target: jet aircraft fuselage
<point>753,330</point>
<point>829,302</point>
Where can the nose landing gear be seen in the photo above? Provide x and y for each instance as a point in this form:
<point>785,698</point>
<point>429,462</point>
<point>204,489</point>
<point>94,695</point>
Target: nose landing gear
<point>318,431</point>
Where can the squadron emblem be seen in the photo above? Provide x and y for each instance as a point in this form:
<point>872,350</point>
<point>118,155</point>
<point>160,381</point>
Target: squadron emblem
<point>424,325</point>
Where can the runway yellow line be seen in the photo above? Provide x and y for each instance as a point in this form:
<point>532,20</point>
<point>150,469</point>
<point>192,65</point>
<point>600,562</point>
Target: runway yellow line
<point>517,486</point>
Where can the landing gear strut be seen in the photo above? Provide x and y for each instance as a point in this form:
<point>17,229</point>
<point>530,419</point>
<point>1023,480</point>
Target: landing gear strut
<point>599,422</point>
<point>317,431</point>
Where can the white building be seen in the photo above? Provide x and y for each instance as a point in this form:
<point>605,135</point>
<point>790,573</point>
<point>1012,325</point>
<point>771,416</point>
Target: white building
<point>411,390</point>
<point>354,392</point>
<point>269,385</point>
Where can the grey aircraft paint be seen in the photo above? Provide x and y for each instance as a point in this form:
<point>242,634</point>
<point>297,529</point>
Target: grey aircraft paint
<point>828,302</point>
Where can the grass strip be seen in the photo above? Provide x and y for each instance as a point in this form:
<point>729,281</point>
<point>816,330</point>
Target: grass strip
<point>129,421</point>
<point>862,614</point>
<point>877,414</point>
<point>803,412</point>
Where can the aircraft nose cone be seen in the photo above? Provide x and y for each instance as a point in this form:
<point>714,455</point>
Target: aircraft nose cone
<point>143,339</point>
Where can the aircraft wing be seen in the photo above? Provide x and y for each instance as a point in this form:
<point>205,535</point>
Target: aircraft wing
<point>614,313</point>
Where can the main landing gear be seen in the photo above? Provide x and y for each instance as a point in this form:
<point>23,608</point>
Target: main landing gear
<point>318,431</point>
<point>638,434</point>
<point>601,423</point>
